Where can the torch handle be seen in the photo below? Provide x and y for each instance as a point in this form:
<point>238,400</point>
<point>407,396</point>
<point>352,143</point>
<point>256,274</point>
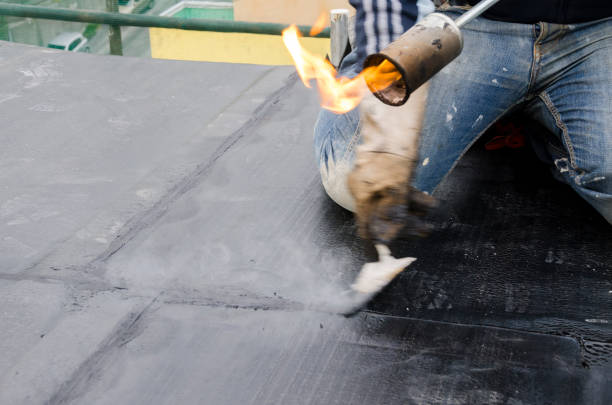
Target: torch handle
<point>474,12</point>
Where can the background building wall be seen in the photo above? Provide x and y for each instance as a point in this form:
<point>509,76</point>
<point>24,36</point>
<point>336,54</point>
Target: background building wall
<point>227,47</point>
<point>246,48</point>
<point>304,12</point>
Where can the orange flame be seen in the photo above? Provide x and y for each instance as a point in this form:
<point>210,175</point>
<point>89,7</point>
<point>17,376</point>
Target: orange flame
<point>342,94</point>
<point>319,25</point>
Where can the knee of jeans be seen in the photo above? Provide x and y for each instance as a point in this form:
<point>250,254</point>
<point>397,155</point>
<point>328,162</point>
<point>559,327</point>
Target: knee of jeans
<point>601,202</point>
<point>335,139</point>
<point>595,184</point>
<point>606,211</point>
<point>334,177</point>
<point>322,130</point>
<point>597,178</point>
<point>335,136</point>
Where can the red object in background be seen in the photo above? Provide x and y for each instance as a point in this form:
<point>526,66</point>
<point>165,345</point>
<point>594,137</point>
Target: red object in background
<point>510,136</point>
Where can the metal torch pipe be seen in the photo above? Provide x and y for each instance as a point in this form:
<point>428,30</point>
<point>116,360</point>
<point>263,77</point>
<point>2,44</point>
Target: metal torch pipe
<point>474,12</point>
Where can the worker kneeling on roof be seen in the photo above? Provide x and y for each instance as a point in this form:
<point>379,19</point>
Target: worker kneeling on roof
<point>551,58</point>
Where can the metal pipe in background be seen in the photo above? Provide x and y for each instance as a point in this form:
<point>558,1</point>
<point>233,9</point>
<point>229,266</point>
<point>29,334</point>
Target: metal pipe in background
<point>114,37</point>
<point>4,31</point>
<point>134,20</point>
<point>339,34</point>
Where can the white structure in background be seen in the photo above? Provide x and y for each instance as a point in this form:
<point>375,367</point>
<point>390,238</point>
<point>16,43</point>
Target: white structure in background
<point>39,32</point>
<point>126,6</point>
<point>69,41</point>
<point>224,4</point>
<point>135,6</point>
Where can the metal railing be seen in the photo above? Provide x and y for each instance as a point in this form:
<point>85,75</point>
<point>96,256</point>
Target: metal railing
<point>135,20</point>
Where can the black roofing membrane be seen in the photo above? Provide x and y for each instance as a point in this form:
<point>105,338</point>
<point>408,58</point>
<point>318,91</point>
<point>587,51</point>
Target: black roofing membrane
<point>509,302</point>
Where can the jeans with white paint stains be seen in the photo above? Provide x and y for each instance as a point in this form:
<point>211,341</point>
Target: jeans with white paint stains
<point>560,75</point>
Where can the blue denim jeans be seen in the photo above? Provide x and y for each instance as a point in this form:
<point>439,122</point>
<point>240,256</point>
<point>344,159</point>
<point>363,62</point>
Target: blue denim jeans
<point>561,75</point>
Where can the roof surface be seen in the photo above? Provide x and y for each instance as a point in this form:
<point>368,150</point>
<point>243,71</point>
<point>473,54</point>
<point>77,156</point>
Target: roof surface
<point>165,239</point>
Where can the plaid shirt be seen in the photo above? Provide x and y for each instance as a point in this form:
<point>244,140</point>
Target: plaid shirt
<point>378,22</point>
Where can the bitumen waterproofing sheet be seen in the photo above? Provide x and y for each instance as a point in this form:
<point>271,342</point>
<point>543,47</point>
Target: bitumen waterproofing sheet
<point>164,238</point>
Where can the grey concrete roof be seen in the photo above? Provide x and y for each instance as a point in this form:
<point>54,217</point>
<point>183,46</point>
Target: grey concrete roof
<point>164,239</point>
